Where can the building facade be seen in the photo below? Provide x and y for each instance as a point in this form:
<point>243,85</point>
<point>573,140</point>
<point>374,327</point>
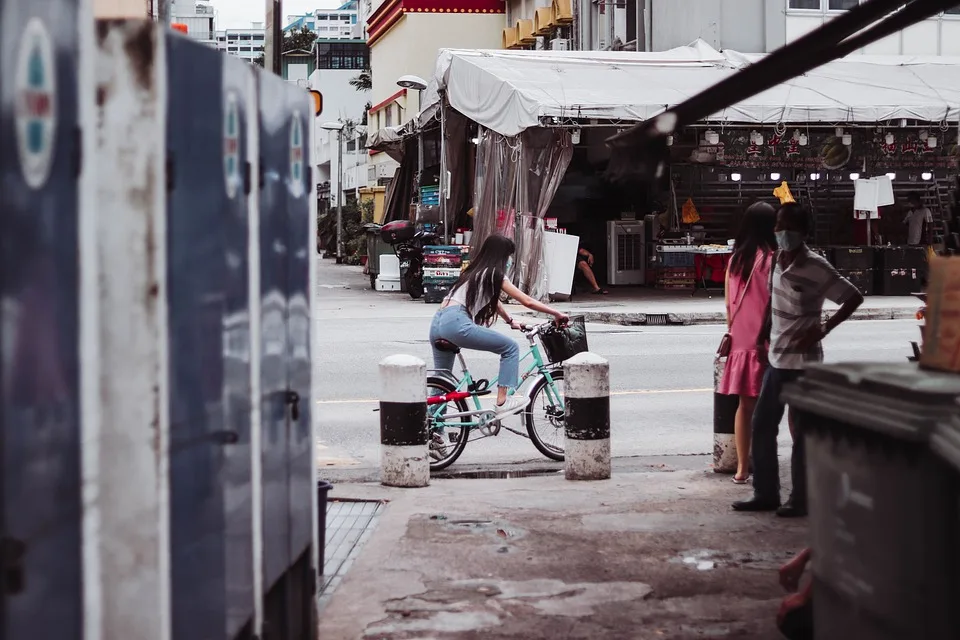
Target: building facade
<point>342,23</point>
<point>404,37</point>
<point>243,43</point>
<point>749,26</point>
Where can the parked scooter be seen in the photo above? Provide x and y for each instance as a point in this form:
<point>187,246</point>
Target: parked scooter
<point>921,314</point>
<point>408,243</point>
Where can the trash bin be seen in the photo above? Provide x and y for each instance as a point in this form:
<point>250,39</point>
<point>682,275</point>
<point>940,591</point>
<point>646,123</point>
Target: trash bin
<point>375,248</point>
<point>879,501</point>
<point>323,488</point>
<point>945,444</point>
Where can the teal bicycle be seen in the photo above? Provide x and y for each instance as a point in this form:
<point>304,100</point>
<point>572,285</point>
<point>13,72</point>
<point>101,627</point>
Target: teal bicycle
<point>456,417</point>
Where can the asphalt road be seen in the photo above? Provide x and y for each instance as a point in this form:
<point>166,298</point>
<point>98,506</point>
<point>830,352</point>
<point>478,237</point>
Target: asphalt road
<point>661,377</point>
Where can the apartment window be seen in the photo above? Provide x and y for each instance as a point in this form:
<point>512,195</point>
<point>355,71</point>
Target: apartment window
<point>247,49</point>
<point>345,17</point>
<point>841,5</point>
<point>342,55</point>
<point>953,12</point>
<point>323,17</point>
<point>804,4</point>
<point>233,49</point>
<point>245,37</point>
<point>389,115</point>
<point>258,37</point>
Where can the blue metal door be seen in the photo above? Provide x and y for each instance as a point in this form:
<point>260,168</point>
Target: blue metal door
<point>41,592</point>
<point>208,240</point>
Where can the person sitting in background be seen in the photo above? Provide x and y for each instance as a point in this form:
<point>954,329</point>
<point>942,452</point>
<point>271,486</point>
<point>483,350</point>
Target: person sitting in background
<point>918,220</point>
<point>795,618</point>
<point>585,265</point>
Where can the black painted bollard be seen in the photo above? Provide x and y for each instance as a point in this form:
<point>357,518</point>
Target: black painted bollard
<point>587,417</point>
<point>404,455</point>
<point>724,417</point>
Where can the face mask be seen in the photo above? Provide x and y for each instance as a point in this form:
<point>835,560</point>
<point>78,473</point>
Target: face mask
<point>789,240</point>
<point>509,264</point>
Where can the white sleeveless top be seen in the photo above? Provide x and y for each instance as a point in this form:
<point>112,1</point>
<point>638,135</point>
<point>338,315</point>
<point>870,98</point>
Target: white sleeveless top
<point>459,296</point>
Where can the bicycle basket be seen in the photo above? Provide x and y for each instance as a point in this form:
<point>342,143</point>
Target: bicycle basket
<point>563,344</point>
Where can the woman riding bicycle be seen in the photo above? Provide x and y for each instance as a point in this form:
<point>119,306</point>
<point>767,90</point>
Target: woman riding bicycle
<point>472,306</point>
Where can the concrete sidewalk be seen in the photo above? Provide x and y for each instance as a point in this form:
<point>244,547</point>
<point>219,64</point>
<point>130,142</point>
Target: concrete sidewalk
<point>653,553</point>
<point>624,306</point>
<point>640,306</point>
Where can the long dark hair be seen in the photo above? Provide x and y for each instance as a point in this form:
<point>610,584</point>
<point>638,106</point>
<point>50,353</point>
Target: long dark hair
<point>485,277</point>
<point>756,232</point>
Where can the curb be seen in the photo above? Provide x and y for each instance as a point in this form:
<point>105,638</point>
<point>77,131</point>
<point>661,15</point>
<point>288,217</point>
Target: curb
<point>636,318</point>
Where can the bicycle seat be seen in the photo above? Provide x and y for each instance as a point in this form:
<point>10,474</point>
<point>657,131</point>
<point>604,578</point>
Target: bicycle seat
<point>446,345</point>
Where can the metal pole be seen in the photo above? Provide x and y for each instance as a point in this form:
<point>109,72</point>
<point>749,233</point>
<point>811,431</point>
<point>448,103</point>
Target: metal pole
<point>444,179</point>
<point>163,11</point>
<point>340,195</point>
<point>419,128</point>
<point>273,47</point>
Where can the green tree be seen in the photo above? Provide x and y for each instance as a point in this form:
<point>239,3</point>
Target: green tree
<point>362,82</point>
<point>301,39</point>
<point>260,60</point>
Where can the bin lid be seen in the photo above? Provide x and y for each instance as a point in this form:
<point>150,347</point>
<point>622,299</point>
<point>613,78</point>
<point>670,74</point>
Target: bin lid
<point>896,399</point>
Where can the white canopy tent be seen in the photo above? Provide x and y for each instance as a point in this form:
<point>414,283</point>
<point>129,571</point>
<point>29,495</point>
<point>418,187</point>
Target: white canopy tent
<point>511,91</point>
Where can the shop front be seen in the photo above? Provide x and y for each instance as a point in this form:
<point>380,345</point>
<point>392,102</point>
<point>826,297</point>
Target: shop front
<point>520,151</point>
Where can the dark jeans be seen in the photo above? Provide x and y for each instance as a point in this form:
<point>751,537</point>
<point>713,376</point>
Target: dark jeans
<point>766,427</point>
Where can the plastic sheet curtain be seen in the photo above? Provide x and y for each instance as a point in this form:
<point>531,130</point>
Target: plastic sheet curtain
<point>516,180</point>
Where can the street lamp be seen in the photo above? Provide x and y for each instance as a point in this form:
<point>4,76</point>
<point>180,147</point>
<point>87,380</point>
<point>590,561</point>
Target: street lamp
<point>418,84</point>
<point>338,127</point>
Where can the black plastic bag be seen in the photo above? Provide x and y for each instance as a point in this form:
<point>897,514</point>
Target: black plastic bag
<point>561,344</point>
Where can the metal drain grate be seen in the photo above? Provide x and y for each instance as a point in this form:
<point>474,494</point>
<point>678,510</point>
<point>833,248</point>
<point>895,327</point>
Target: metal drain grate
<point>493,475</point>
<point>349,524</point>
<point>657,319</point>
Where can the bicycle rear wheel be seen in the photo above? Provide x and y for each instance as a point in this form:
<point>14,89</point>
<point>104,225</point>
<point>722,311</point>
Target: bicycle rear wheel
<point>448,438</point>
<point>544,417</point>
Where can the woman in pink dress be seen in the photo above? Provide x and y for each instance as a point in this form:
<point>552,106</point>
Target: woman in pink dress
<point>747,296</point>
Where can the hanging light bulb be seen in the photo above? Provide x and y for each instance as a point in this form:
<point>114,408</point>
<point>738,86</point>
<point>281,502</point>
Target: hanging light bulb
<point>932,142</point>
<point>796,134</point>
<point>892,176</point>
<point>924,135</point>
<point>774,176</point>
<point>926,175</point>
<point>575,136</point>
<point>753,137</point>
<point>712,137</point>
<point>669,141</point>
<point>839,132</point>
<point>847,139</point>
<point>759,141</point>
<point>854,176</point>
<point>814,176</point>
<point>735,177</point>
<point>802,140</point>
<point>889,139</point>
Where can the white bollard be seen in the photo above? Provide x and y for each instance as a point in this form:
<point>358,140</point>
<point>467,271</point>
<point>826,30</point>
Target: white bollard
<point>587,417</point>
<point>404,455</point>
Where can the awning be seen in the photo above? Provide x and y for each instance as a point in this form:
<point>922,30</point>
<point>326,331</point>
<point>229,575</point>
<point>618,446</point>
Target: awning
<point>509,91</point>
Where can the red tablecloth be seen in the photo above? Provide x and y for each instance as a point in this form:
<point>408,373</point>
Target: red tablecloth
<point>711,267</point>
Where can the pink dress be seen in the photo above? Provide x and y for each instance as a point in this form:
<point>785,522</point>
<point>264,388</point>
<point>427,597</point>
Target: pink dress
<point>743,373</point>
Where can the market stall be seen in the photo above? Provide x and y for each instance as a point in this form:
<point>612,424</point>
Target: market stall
<point>536,111</point>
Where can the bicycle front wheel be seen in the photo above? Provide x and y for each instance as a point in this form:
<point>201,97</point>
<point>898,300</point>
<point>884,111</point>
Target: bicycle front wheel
<point>545,416</point>
<point>448,436</point>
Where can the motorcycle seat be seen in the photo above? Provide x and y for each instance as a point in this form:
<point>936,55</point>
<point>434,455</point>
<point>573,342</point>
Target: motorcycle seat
<point>446,345</point>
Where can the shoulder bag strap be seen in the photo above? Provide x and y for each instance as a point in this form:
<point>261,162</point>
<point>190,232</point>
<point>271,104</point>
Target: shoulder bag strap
<point>743,293</point>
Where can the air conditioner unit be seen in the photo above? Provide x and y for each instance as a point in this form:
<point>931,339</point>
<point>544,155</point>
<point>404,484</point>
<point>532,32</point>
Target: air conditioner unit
<point>625,252</point>
<point>560,44</point>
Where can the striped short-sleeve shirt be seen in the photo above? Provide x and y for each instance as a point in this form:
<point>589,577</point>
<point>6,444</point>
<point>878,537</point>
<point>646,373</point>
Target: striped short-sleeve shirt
<point>796,299</point>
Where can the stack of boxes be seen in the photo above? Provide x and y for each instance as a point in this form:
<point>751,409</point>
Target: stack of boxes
<point>856,265</point>
<point>441,270</point>
<point>676,269</point>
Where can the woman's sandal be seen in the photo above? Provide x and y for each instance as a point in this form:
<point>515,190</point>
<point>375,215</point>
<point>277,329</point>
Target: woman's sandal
<point>601,292</point>
<point>739,480</point>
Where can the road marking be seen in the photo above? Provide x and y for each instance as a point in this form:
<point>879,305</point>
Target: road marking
<point>630,392</point>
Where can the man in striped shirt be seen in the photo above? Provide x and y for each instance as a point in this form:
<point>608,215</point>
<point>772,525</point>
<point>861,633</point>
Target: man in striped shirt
<point>800,283</point>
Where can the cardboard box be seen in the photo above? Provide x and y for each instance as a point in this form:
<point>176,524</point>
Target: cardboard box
<point>941,334</point>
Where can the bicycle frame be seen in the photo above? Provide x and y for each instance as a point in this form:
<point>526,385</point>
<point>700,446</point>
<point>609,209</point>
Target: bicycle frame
<point>466,383</point>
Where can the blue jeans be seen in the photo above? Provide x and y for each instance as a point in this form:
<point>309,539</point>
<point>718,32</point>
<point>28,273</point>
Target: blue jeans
<point>766,427</point>
<point>454,324</point>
